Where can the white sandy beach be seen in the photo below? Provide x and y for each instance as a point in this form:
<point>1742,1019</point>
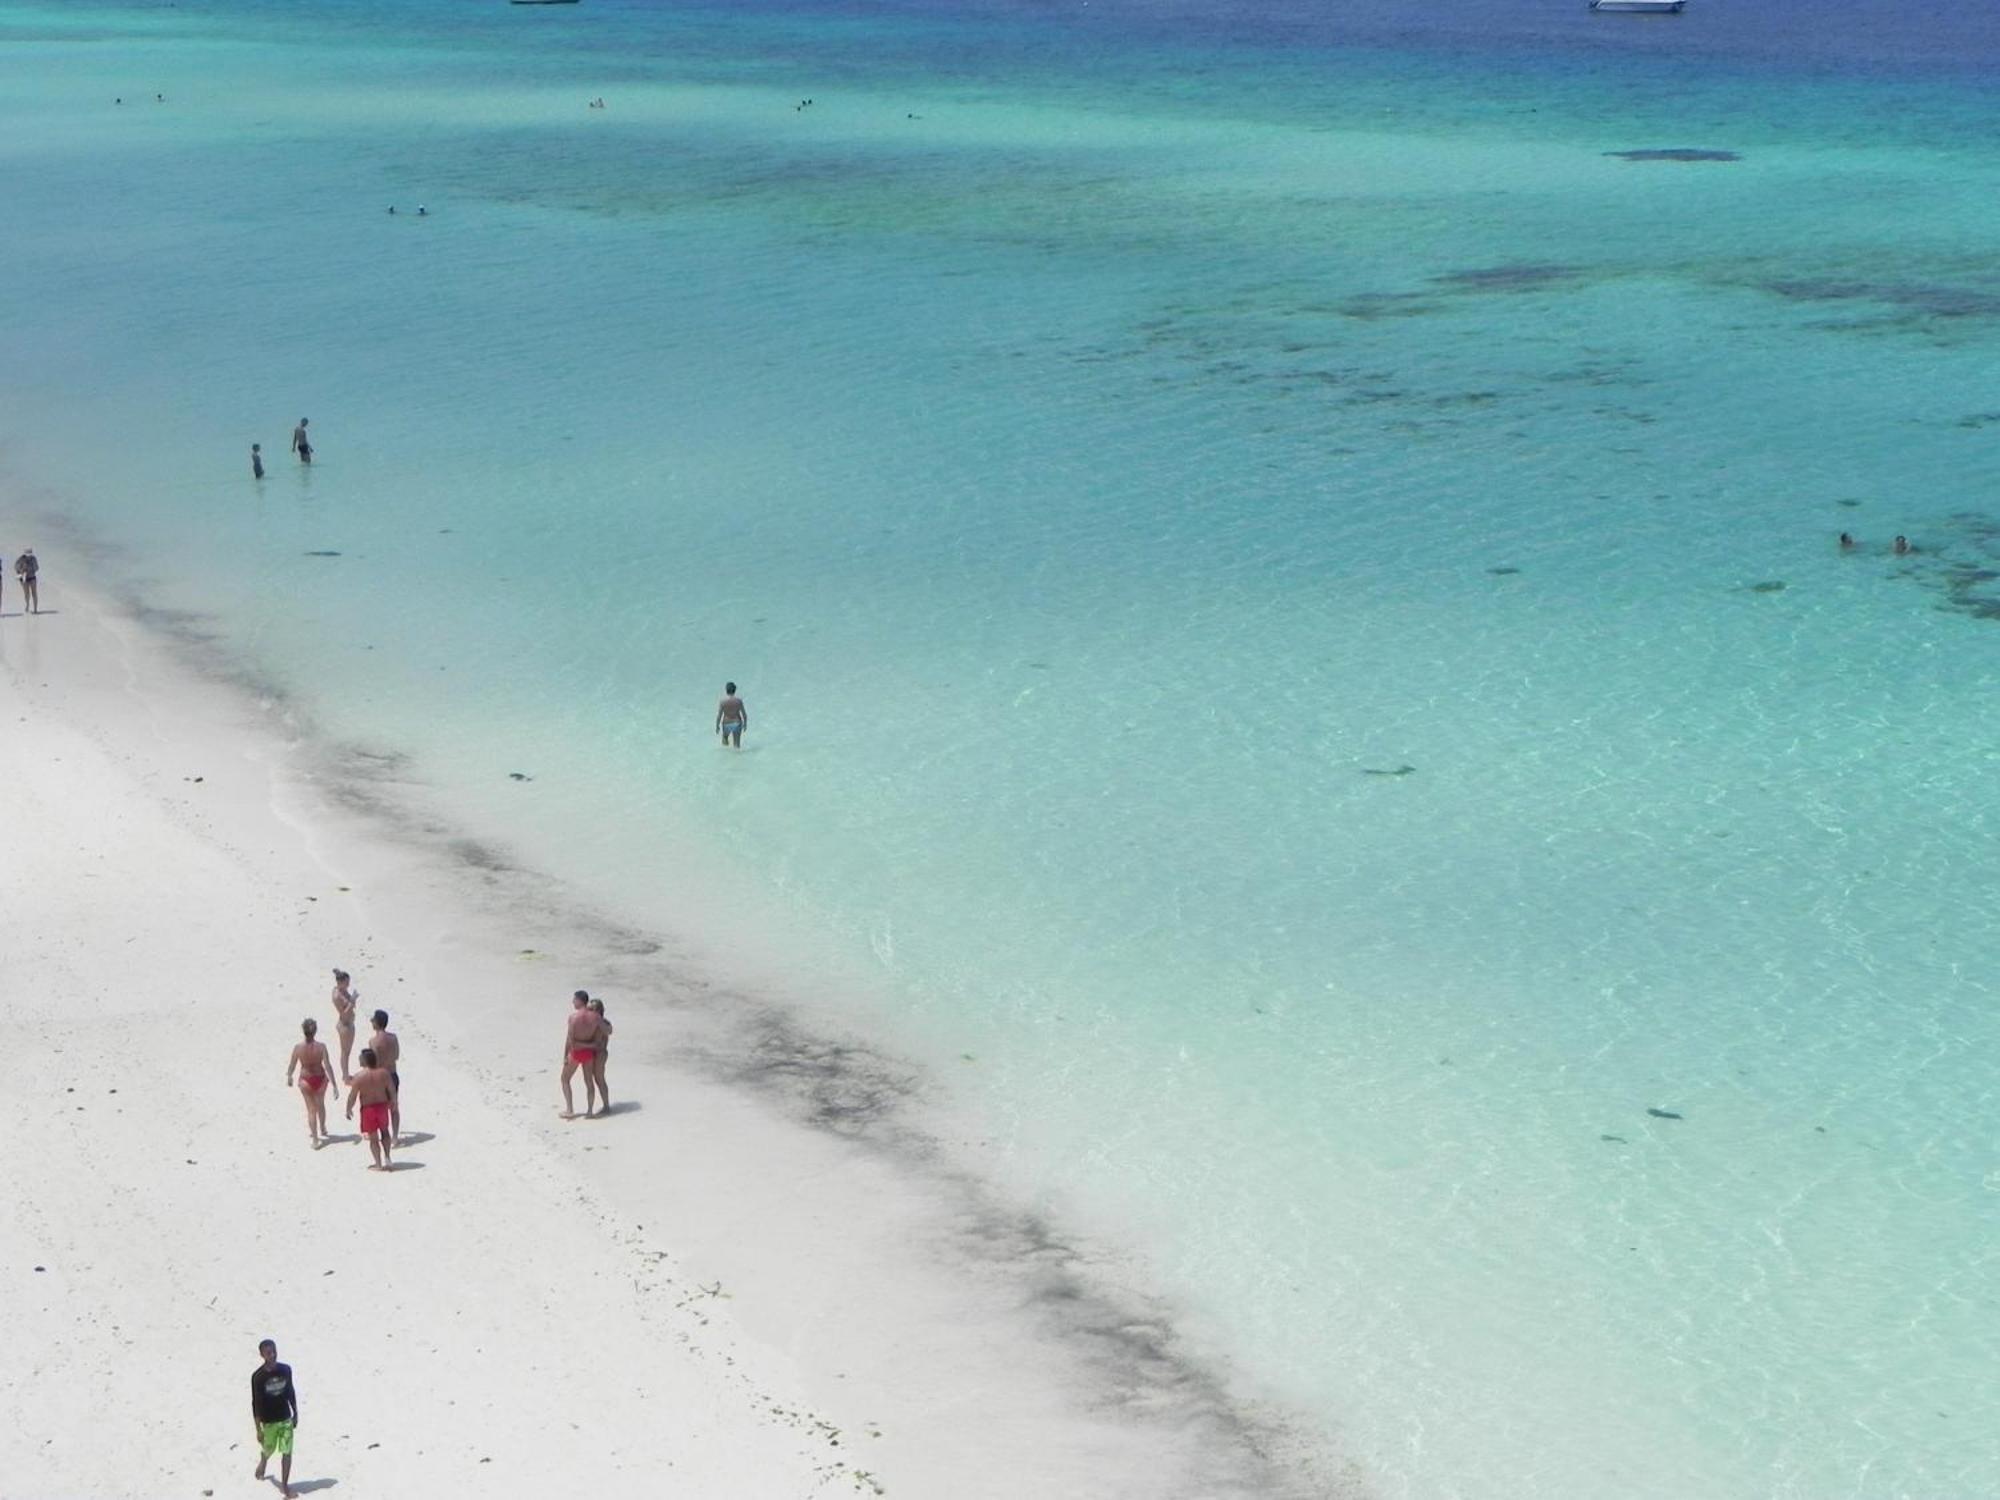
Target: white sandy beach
<point>766,1287</point>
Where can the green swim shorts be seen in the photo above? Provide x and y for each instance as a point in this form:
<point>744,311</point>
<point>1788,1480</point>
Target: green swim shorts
<point>275,1437</point>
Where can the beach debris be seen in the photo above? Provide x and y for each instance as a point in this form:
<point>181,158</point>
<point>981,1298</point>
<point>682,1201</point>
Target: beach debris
<point>1664,1114</point>
<point>1675,153</point>
<point>519,776</point>
<point>1399,771</point>
<point>41,1268</point>
<point>1769,586</point>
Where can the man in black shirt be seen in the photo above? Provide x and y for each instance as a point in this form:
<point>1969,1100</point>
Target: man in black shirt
<point>274,1408</point>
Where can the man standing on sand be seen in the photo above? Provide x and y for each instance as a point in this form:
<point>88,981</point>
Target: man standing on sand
<point>372,1089</point>
<point>28,569</point>
<point>310,1062</point>
<point>301,445</point>
<point>580,1051</point>
<point>274,1411</point>
<point>390,1052</point>
<point>731,717</point>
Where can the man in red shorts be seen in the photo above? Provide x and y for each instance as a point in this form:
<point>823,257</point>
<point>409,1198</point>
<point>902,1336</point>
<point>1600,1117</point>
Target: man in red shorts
<point>373,1091</point>
<point>580,1051</point>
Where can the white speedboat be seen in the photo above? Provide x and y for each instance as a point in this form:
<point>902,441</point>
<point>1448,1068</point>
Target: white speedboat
<point>1639,7</point>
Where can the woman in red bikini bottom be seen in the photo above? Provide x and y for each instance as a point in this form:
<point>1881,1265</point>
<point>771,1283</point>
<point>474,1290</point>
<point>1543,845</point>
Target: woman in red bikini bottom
<point>310,1062</point>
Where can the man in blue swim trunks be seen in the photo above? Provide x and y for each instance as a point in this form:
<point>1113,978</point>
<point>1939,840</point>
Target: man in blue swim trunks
<point>731,717</point>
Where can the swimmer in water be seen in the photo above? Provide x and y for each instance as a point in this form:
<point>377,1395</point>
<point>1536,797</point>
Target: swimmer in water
<point>301,444</point>
<point>1846,541</point>
<point>1903,547</point>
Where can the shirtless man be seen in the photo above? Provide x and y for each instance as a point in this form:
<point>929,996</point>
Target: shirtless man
<point>345,998</point>
<point>390,1052</point>
<point>731,717</point>
<point>28,569</point>
<point>580,1051</point>
<point>374,1091</point>
<point>310,1062</point>
<point>301,444</point>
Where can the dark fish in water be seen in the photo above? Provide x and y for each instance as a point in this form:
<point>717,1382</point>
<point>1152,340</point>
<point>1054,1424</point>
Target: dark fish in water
<point>1664,1114</point>
<point>1399,771</point>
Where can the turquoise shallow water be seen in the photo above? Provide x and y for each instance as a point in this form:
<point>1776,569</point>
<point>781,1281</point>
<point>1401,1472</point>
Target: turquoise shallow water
<point>1097,484</point>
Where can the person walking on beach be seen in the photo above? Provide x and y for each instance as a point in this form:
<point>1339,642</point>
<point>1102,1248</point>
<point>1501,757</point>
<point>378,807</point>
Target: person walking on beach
<point>274,1412</point>
<point>389,1056</point>
<point>731,717</point>
<point>345,998</point>
<point>256,460</point>
<point>28,568</point>
<point>310,1062</point>
<point>602,1056</point>
<point>301,444</point>
<point>374,1090</point>
<point>580,1051</point>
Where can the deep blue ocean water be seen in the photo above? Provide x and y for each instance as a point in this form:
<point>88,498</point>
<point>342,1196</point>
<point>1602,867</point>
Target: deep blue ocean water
<point>1288,599</point>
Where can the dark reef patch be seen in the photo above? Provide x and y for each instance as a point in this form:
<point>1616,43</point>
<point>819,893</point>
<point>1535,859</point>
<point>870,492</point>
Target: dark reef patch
<point>1917,298</point>
<point>1769,586</point>
<point>1508,278</point>
<point>1370,306</point>
<point>1675,153</point>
